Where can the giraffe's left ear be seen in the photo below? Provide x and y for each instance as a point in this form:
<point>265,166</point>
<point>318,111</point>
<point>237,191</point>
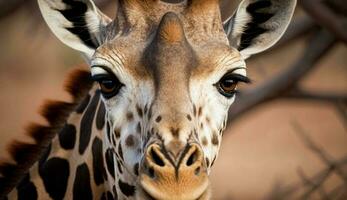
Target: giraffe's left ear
<point>258,24</point>
<point>77,23</point>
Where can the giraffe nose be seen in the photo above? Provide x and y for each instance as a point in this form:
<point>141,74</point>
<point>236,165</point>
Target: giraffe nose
<point>164,177</point>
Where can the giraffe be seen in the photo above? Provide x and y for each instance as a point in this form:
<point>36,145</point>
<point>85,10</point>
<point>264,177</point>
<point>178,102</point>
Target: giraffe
<point>146,120</point>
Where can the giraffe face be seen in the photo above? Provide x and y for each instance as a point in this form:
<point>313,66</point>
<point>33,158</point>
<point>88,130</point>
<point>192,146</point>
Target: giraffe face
<point>168,74</point>
<point>167,98</point>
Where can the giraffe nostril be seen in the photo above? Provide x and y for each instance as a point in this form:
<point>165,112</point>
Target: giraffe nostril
<point>156,158</point>
<point>192,158</point>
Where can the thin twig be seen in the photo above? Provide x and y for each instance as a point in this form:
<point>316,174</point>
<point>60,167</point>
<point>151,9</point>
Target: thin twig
<point>9,7</point>
<point>327,159</point>
<point>314,185</point>
<point>315,96</point>
<point>339,192</point>
<point>341,109</point>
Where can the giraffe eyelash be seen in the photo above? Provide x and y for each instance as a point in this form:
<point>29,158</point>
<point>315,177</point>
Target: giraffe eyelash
<point>227,85</point>
<point>240,78</point>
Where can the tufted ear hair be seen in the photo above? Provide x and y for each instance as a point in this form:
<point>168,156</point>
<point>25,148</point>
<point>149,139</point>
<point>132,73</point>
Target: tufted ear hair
<point>77,23</point>
<point>258,24</point>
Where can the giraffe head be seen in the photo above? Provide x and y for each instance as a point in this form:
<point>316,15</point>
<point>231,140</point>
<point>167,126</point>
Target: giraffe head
<point>168,73</point>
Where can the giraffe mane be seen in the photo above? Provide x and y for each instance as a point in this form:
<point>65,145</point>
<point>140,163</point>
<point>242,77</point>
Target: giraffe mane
<point>56,113</point>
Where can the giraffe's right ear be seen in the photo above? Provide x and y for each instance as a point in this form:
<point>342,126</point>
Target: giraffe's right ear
<point>77,23</point>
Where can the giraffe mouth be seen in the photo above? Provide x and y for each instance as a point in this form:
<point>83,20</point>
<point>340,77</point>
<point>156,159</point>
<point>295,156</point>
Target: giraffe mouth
<point>185,179</point>
<point>147,195</point>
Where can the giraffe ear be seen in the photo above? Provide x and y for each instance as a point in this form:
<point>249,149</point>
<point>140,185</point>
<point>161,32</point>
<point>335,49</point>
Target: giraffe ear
<point>258,24</point>
<point>77,23</point>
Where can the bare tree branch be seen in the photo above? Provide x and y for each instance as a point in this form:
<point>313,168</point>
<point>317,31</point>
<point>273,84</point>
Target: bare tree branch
<point>297,28</point>
<point>326,18</point>
<point>339,192</point>
<point>339,6</point>
<point>8,7</point>
<point>341,108</point>
<point>317,96</point>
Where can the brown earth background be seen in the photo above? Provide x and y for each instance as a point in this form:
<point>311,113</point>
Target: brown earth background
<point>261,151</point>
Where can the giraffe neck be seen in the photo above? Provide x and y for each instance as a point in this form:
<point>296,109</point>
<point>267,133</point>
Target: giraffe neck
<point>73,164</point>
<point>77,161</point>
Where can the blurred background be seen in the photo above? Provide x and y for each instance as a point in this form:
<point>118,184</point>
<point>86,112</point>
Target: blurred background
<point>287,135</point>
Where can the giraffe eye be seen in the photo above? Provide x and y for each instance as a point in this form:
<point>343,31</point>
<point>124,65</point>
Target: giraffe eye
<point>109,85</point>
<point>228,83</point>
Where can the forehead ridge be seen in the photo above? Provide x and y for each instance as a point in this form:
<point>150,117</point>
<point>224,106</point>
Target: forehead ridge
<point>131,47</point>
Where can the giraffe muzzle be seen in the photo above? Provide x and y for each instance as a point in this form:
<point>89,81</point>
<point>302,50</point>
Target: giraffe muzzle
<point>164,176</point>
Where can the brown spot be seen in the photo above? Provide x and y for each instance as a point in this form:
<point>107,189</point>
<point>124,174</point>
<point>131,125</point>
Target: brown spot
<point>117,132</point>
<point>127,190</point>
<point>158,119</point>
<point>200,111</point>
<point>215,140</point>
<point>149,116</point>
<point>149,113</point>
<point>136,169</point>
<point>201,125</point>
<point>204,141</point>
<point>130,116</point>
<point>139,110</point>
<point>100,116</point>
<point>130,141</point>
<point>189,117</point>
<point>175,132</point>
<point>147,137</point>
<point>138,128</point>
<point>194,110</point>
<point>208,120</point>
<point>145,109</point>
<point>205,28</point>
